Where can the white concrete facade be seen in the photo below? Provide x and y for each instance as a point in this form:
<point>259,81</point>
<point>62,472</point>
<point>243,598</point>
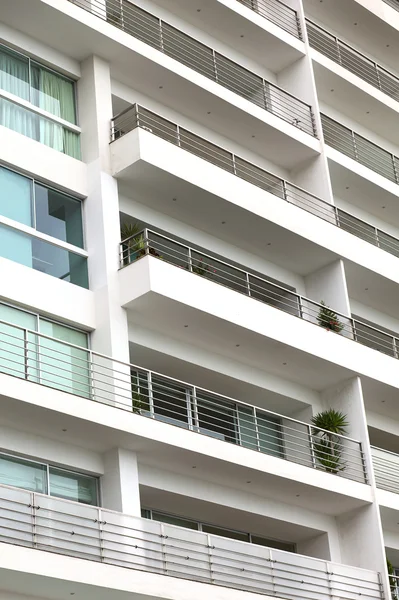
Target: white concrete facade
<point>156,433</point>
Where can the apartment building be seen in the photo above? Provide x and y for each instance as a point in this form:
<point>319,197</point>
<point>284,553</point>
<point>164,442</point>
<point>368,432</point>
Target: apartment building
<point>199,262</point>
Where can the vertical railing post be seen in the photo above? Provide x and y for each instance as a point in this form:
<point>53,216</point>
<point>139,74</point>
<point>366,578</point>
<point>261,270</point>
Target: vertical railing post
<point>178,139</point>
<point>378,77</point>
<point>161,44</point>
<point>100,535</point>
<point>26,355</point>
<point>266,102</point>
<point>163,548</point>
<point>195,409</point>
<point>355,146</point>
<point>146,242</point>
<point>353,324</point>
<point>91,375</point>
<point>364,466</point>
<point>338,51</point>
<point>377,237</point>
<point>300,306</point>
<point>190,260</point>
<point>395,347</point>
<point>34,524</point>
<point>285,190</point>
<point>150,395</point>
<point>248,286</point>
<point>137,114</point>
<point>214,66</point>
<point>395,170</point>
<point>256,429</point>
<point>311,445</point>
<point>210,548</point>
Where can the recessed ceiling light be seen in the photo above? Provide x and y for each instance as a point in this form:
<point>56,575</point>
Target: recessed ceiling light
<point>383,206</point>
<point>367,112</point>
<point>198,10</point>
<point>193,467</point>
<point>237,345</point>
<point>249,481</point>
<point>241,35</point>
<point>366,289</point>
<point>174,199</point>
<point>355,23</point>
<point>347,187</point>
<point>223,222</point>
<point>209,112</point>
<point>65,430</point>
<point>284,363</point>
<point>161,87</point>
<point>252,136</point>
<point>268,244</point>
<point>297,495</point>
<point>332,90</point>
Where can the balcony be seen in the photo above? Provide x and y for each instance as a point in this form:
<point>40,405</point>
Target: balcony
<point>278,13</point>
<point>139,117</point>
<point>386,469</point>
<point>188,51</point>
<point>360,149</point>
<point>353,60</point>
<point>197,262</point>
<point>40,359</point>
<point>47,524</point>
<point>393,3</point>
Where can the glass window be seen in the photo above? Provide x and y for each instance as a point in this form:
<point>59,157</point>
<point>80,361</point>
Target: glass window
<point>261,541</point>
<point>172,520</point>
<point>15,196</point>
<point>39,128</point>
<point>58,215</point>
<point>235,535</point>
<point>14,73</point>
<point>73,486</point>
<point>216,417</point>
<point>53,92</point>
<point>43,256</point>
<point>23,474</point>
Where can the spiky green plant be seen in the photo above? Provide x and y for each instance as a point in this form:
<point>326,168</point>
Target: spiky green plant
<point>328,319</point>
<point>327,445</point>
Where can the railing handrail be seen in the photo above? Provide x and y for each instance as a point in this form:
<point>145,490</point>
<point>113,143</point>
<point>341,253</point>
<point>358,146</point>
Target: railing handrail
<point>300,297</point>
<point>183,383</point>
<point>142,520</point>
<point>353,49</point>
<point>337,211</point>
<point>302,108</point>
<point>385,451</point>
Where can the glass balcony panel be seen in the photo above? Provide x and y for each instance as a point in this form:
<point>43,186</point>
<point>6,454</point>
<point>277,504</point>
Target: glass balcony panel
<point>39,128</point>
<point>204,149</point>
<point>259,177</point>
<point>357,227</point>
<point>270,435</point>
<point>188,51</point>
<point>323,42</point>
<point>136,22</point>
<point>43,256</point>
<point>247,427</point>
<point>388,243</point>
<point>275,296</point>
<point>339,137</point>
<point>389,84</point>
<point>373,338</point>
<point>358,65</point>
<point>170,401</point>
<point>239,80</point>
<point>219,272</point>
<point>375,158</point>
<point>217,418</point>
<point>168,250</point>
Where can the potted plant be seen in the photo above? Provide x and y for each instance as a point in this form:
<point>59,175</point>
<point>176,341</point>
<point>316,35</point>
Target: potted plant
<point>139,402</point>
<point>134,244</point>
<point>327,445</point>
<point>328,319</point>
<point>202,268</point>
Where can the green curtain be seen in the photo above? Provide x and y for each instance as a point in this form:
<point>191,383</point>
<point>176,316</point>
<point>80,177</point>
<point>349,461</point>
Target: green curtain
<point>14,73</point>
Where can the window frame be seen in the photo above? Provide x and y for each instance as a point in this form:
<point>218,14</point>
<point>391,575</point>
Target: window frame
<point>48,465</point>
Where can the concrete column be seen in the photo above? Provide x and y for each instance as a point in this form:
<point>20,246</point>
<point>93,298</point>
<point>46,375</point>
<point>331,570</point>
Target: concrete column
<point>360,531</point>
<point>120,482</point>
<point>102,209</point>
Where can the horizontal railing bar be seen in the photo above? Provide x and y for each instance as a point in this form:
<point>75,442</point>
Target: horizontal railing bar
<point>189,51</point>
<point>275,185</point>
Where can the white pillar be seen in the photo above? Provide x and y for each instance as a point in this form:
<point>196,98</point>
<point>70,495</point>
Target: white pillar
<point>360,530</point>
<point>120,482</point>
<point>102,209</point>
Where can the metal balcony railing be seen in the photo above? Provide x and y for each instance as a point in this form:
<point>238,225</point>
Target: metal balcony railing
<point>205,60</point>
<point>386,469</point>
<point>40,359</point>
<point>96,534</point>
<point>353,60</point>
<point>137,116</point>
<point>360,149</point>
<point>278,13</point>
<point>150,243</point>
<point>393,3</point>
